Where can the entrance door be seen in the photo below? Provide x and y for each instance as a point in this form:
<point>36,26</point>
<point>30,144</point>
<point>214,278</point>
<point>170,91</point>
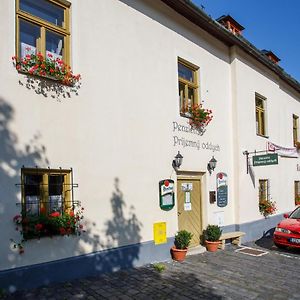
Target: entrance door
<point>189,208</point>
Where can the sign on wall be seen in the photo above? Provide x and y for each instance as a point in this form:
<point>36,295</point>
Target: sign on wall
<point>265,160</point>
<point>166,194</point>
<point>160,233</point>
<point>222,189</point>
<point>187,188</point>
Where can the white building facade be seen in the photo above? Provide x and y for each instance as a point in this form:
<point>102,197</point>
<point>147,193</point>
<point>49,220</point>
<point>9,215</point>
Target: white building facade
<point>108,142</point>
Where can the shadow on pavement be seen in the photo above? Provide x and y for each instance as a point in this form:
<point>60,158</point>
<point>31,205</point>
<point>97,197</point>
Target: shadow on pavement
<point>267,242</point>
<point>141,283</point>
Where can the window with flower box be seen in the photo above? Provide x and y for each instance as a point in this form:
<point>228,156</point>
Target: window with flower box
<point>43,27</point>
<point>187,85</point>
<point>263,189</point>
<point>48,206</point>
<point>297,192</point>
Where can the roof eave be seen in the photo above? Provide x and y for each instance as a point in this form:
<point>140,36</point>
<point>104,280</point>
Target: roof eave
<point>197,16</point>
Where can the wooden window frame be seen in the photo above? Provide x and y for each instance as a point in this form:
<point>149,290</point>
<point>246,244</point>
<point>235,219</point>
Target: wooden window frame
<point>44,202</point>
<point>265,194</point>
<point>295,129</point>
<point>183,98</point>
<point>260,116</point>
<point>44,25</point>
<point>297,192</point>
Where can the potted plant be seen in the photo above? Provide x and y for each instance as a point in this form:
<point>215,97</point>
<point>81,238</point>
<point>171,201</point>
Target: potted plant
<point>182,241</point>
<point>212,234</point>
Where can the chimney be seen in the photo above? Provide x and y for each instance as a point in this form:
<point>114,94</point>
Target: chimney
<point>231,24</point>
<point>275,59</point>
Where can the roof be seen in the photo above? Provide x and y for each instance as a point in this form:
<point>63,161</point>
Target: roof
<point>231,20</point>
<point>270,53</point>
<point>197,16</point>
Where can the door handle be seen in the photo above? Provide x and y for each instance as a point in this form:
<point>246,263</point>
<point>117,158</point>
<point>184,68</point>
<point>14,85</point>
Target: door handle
<point>178,213</point>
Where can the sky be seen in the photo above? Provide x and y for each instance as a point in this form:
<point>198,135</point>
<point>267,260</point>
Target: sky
<point>269,24</point>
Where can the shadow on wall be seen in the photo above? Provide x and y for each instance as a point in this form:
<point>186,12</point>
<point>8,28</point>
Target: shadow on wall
<point>12,158</point>
<point>122,230</point>
<point>119,232</point>
<point>50,88</point>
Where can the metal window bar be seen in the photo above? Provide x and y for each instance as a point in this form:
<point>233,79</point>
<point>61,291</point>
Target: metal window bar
<point>47,204</point>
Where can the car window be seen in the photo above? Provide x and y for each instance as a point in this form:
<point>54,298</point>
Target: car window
<point>295,214</point>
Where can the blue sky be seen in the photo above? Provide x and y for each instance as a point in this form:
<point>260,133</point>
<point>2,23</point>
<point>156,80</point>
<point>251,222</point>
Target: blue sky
<point>269,24</point>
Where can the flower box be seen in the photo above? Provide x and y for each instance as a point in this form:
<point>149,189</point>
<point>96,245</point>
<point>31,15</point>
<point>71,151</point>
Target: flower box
<point>50,68</point>
<point>267,207</point>
<point>198,117</point>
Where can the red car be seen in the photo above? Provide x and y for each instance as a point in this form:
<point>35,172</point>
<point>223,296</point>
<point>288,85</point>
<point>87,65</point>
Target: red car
<point>287,232</point>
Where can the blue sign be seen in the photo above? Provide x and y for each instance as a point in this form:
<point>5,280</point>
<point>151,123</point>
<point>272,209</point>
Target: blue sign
<point>222,190</point>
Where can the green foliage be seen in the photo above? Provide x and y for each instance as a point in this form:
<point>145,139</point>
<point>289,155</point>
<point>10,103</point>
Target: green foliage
<point>267,207</point>
<point>183,239</point>
<point>2,293</point>
<point>212,233</point>
<point>56,223</point>
<point>159,267</point>
<point>51,67</point>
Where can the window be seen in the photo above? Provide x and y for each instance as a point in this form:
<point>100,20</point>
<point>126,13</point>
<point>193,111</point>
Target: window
<point>260,110</point>
<point>43,26</point>
<point>295,129</point>
<point>46,191</point>
<point>187,85</point>
<point>297,192</point>
<point>263,189</point>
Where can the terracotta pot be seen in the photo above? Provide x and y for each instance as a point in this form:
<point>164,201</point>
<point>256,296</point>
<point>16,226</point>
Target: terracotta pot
<point>212,246</point>
<point>178,254</point>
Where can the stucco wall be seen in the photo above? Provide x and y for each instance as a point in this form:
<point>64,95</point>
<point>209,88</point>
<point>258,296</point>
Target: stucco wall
<point>118,133</point>
<point>282,103</point>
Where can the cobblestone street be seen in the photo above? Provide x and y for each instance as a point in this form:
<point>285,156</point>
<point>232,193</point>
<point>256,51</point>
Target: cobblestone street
<point>222,275</point>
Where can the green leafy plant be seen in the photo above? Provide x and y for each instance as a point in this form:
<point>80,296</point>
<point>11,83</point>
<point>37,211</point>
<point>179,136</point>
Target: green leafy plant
<point>159,267</point>
<point>55,223</point>
<point>2,293</point>
<point>199,116</point>
<point>267,207</point>
<point>212,233</point>
<point>182,239</point>
<point>49,67</point>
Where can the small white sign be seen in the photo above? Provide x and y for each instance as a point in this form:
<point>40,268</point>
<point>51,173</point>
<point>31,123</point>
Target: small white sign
<point>187,206</point>
<point>186,187</point>
<point>187,197</point>
<point>219,218</point>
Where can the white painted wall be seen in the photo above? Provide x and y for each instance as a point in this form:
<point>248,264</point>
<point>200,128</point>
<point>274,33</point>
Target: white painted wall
<point>121,125</point>
<point>282,103</point>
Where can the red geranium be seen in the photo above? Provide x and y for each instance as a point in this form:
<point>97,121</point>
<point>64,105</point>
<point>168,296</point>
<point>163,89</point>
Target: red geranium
<point>55,214</point>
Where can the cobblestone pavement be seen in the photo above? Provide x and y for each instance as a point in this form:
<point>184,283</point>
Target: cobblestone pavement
<point>222,275</point>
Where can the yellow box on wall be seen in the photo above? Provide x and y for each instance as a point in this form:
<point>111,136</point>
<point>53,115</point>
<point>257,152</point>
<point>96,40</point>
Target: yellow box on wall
<point>160,233</point>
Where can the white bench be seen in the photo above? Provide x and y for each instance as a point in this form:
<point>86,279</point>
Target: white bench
<point>234,236</point>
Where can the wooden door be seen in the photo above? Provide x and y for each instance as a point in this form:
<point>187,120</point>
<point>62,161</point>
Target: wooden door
<point>189,208</point>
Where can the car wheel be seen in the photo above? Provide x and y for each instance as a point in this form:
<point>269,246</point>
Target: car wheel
<point>280,246</point>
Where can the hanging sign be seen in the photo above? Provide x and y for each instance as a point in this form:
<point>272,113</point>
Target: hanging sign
<point>265,160</point>
<point>222,190</point>
<point>166,194</point>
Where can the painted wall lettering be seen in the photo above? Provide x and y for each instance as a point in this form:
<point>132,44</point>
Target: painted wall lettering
<point>179,141</point>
